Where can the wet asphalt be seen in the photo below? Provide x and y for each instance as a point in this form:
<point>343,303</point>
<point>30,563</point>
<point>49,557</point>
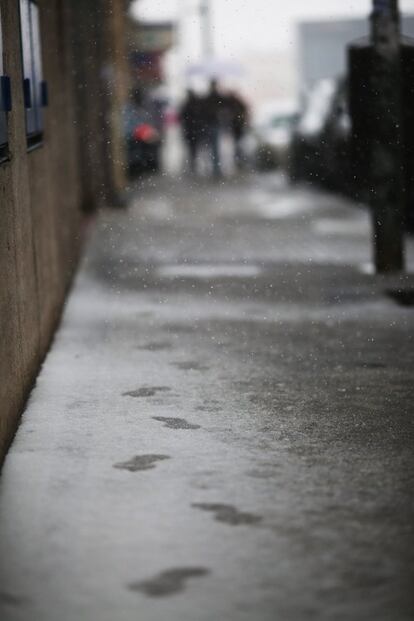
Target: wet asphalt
<point>223,429</point>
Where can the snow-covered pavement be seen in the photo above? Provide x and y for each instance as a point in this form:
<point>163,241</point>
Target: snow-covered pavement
<point>223,429</point>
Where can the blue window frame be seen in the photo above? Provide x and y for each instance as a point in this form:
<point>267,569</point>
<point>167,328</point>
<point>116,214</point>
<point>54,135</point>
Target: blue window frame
<point>35,96</point>
<point>5,101</point>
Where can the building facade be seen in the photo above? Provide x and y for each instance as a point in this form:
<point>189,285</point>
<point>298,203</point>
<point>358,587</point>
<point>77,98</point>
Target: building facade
<point>61,89</point>
<point>322,46</point>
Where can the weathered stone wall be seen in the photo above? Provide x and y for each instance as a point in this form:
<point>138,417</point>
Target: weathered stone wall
<point>43,190</point>
<point>39,215</point>
<point>100,76</point>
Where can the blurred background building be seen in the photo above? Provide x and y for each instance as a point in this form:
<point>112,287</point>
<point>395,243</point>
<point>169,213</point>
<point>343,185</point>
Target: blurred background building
<point>274,44</point>
<point>322,47</point>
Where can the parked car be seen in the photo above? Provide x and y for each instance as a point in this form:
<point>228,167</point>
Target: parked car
<point>273,137</point>
<point>321,144</point>
<point>306,161</point>
<point>268,141</point>
<point>337,142</point>
<point>325,147</point>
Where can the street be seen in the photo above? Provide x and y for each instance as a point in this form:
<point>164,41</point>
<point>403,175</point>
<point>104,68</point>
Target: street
<point>223,427</point>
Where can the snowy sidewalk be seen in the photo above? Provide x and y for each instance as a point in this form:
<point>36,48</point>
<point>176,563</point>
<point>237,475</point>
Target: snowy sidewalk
<point>223,429</point>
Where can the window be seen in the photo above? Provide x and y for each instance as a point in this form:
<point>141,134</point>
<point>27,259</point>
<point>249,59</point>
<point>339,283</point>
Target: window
<point>35,95</point>
<point>5,101</point>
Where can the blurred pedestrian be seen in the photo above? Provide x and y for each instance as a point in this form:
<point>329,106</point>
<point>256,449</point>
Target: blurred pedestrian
<point>237,114</point>
<point>212,115</point>
<point>191,123</point>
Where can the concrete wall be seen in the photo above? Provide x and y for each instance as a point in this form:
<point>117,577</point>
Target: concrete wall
<point>101,89</point>
<point>43,191</point>
<point>39,215</point>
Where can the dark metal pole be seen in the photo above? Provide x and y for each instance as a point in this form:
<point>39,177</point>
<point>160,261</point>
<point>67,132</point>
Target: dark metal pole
<point>387,146</point>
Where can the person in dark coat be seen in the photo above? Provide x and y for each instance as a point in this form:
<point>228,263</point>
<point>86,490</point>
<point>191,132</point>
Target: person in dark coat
<point>238,120</point>
<point>212,120</point>
<point>191,123</point>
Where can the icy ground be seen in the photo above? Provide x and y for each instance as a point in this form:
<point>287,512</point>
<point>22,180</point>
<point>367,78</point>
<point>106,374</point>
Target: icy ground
<point>223,429</point>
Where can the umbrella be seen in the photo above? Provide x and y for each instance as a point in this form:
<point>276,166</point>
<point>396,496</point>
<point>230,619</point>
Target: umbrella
<point>215,69</point>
